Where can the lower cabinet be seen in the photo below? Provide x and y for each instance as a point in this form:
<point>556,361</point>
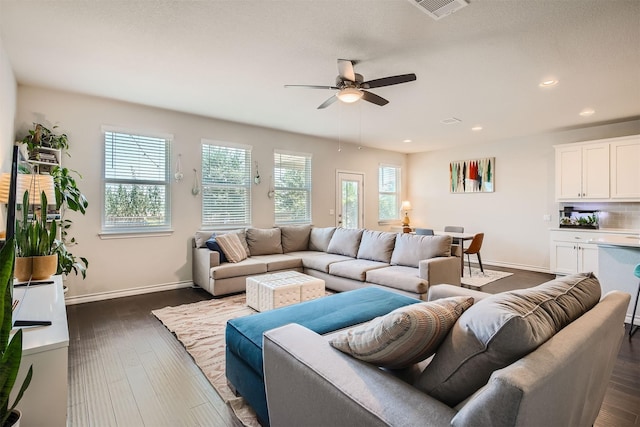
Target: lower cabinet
<point>571,257</point>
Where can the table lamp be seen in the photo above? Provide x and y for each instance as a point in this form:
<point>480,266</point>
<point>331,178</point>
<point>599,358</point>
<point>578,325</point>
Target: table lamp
<point>406,207</point>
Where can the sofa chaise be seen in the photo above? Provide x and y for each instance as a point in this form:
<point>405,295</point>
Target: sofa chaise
<point>535,357</point>
<point>346,259</point>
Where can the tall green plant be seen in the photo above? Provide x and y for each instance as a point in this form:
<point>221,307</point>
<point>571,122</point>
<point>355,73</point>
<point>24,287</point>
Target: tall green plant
<point>40,136</point>
<point>33,236</point>
<point>10,349</point>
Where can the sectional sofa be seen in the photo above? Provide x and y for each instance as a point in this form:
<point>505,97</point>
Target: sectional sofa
<point>346,259</point>
<point>536,357</point>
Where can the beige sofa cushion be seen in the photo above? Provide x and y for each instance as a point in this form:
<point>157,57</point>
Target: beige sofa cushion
<point>231,246</point>
<point>355,269</point>
<point>501,329</point>
<point>264,241</point>
<point>411,248</point>
<point>399,277</point>
<point>295,237</point>
<point>320,237</point>
<point>405,336</point>
<point>245,267</point>
<point>376,245</point>
<point>345,241</point>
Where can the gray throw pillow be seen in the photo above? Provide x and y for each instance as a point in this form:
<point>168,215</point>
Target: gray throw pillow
<point>320,238</point>
<point>501,329</point>
<point>376,245</point>
<point>264,241</point>
<point>201,238</point>
<point>411,248</point>
<point>345,241</point>
<point>295,237</point>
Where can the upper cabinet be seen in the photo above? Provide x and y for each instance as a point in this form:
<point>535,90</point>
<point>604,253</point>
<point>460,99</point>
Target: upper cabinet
<point>599,170</point>
<point>625,168</point>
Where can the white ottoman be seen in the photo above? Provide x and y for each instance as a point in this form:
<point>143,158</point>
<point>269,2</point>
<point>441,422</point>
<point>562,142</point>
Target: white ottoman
<point>269,291</point>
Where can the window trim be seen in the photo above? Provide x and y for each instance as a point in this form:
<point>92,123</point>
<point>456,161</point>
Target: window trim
<point>249,186</point>
<point>139,231</point>
<point>308,187</point>
<point>397,193</point>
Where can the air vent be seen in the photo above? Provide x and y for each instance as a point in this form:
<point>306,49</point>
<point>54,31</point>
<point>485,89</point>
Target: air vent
<point>438,9</point>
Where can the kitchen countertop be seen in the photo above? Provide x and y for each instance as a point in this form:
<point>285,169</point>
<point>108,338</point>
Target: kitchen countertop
<point>630,241</point>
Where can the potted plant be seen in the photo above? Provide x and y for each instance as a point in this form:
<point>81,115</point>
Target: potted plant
<point>36,244</point>
<point>10,348</point>
<point>40,136</point>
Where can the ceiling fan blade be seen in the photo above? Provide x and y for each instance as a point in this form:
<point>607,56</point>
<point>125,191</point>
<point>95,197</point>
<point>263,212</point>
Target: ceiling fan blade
<point>388,81</point>
<point>312,87</point>
<point>345,70</point>
<point>328,102</point>
<point>373,98</point>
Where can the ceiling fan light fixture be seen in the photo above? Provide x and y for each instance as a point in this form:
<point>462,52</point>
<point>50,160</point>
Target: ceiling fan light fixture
<point>350,95</point>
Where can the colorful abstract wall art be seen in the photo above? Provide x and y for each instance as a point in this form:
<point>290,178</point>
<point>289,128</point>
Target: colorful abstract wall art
<point>472,176</point>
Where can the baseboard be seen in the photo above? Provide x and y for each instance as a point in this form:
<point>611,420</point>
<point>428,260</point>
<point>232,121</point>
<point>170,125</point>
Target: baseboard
<point>101,296</point>
<point>516,266</point>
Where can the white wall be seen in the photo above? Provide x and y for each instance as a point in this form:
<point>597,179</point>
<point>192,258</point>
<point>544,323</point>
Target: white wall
<point>512,216</point>
<point>8,93</point>
<point>122,264</point>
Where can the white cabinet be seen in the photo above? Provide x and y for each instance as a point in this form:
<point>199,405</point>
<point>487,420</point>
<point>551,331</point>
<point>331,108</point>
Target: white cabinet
<point>582,171</point>
<point>573,258</point>
<point>625,168</point>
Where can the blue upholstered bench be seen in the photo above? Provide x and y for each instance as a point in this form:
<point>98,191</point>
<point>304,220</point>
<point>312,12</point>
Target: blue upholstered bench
<point>244,334</point>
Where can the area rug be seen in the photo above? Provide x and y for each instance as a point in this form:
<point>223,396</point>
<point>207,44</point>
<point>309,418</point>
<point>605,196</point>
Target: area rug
<point>478,279</point>
<point>200,327</point>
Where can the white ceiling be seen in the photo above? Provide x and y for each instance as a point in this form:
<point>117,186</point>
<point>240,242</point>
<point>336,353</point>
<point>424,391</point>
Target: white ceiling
<point>230,60</point>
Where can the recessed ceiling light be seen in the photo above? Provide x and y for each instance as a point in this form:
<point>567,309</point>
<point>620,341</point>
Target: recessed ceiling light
<point>587,112</point>
<point>407,140</point>
<point>548,83</point>
<point>476,128</point>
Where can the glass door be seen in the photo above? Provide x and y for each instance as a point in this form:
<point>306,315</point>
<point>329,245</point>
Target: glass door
<point>349,192</point>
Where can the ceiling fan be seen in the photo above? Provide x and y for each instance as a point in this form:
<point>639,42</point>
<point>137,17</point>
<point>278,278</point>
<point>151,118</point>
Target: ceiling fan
<point>351,85</point>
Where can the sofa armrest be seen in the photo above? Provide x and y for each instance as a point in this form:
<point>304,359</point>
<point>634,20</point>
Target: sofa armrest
<point>446,291</point>
<point>202,261</point>
<point>309,383</point>
<point>440,270</point>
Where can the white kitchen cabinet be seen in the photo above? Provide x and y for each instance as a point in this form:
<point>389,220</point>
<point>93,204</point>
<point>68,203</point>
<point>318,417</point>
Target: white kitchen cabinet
<point>573,258</point>
<point>625,168</point>
<point>582,171</point>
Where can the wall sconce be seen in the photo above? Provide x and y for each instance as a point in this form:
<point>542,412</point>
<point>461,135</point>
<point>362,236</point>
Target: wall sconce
<point>195,190</point>
<point>256,179</point>
<point>178,175</point>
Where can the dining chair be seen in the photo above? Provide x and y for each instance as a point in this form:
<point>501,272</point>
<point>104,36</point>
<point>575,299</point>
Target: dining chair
<point>474,248</point>
<point>456,245</point>
<point>633,329</point>
<point>424,231</point>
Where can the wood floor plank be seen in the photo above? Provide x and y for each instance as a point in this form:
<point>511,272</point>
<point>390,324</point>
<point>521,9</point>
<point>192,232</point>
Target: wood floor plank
<point>124,403</point>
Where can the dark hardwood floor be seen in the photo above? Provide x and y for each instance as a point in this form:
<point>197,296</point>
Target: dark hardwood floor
<point>127,369</point>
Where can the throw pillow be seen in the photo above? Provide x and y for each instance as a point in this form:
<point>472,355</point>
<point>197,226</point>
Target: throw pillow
<point>345,241</point>
<point>201,237</point>
<point>405,336</point>
<point>232,247</point>
<point>501,329</point>
<point>411,248</point>
<point>264,241</point>
<point>295,237</point>
<point>213,245</point>
<point>320,237</point>
<point>376,245</point>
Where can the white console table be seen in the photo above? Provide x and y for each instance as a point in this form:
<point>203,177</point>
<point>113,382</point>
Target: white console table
<point>46,348</point>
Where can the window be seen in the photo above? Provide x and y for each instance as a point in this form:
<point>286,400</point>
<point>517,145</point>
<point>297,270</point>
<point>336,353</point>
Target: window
<point>292,186</point>
<point>226,184</point>
<point>388,193</point>
<point>136,182</point>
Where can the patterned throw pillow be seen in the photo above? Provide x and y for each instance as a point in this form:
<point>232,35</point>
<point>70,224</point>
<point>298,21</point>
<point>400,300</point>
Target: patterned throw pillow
<point>213,245</point>
<point>232,247</point>
<point>405,336</point>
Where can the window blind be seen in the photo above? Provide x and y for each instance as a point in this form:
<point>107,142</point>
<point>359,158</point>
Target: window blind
<point>388,192</point>
<point>226,184</point>
<point>136,182</point>
<point>292,186</point>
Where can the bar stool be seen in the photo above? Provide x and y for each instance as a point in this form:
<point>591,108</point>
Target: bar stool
<point>633,329</point>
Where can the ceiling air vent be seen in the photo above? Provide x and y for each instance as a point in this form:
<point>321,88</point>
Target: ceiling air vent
<point>439,8</point>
